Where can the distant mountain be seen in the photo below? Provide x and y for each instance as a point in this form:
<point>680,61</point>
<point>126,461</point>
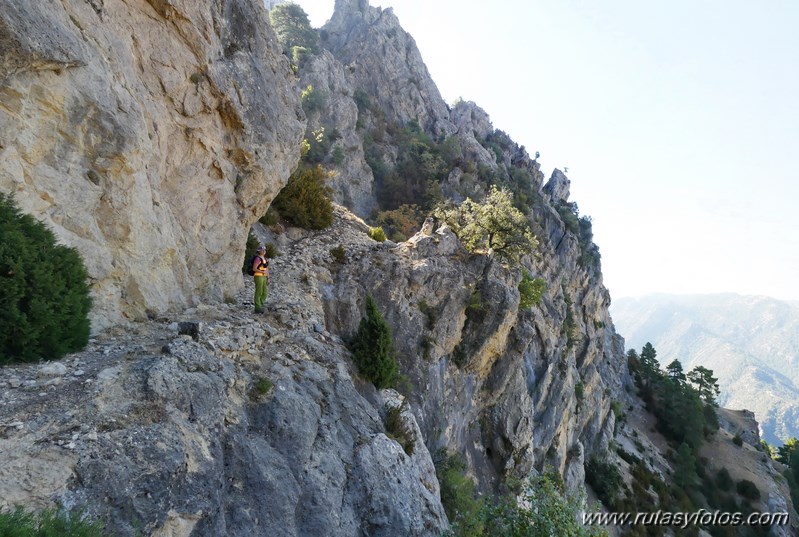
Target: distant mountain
<point>750,342</point>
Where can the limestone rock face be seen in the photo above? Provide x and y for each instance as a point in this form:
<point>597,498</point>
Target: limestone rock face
<point>490,381</point>
<point>352,181</point>
<point>384,62</point>
<point>149,135</point>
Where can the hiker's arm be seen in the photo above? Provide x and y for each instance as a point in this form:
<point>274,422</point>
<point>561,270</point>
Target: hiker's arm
<point>256,263</point>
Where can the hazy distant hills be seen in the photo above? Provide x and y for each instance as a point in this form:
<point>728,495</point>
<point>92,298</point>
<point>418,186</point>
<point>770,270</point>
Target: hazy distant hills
<point>750,342</point>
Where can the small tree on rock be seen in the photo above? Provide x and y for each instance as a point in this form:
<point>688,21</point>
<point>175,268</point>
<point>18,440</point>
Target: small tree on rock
<point>493,226</point>
<point>373,348</point>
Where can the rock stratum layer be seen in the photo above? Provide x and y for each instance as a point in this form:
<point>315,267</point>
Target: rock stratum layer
<point>149,135</point>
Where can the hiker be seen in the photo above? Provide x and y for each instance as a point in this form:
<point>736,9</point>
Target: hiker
<point>260,271</point>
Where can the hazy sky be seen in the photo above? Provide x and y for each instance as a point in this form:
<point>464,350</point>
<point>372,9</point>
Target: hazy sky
<point>678,121</point>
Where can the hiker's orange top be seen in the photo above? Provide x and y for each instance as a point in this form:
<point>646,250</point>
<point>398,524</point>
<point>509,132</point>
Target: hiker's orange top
<point>260,268</point>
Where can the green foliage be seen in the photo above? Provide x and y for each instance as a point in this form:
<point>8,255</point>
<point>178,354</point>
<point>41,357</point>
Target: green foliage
<point>792,477</point>
<point>685,470</point>
<point>605,479</point>
<point>492,226</point>
<point>786,451</point>
<point>293,28</point>
<point>261,387</point>
<point>546,509</point>
<point>674,370</point>
<point>747,489</point>
<point>723,480</point>
<point>373,348</point>
<point>681,413</point>
<point>377,234</point>
<point>416,172</point>
<point>338,155</point>
<point>338,253</point>
<point>459,497</point>
<point>530,291</point>
<point>398,429</point>
<point>48,523</point>
<point>706,383</point>
<point>312,100</point>
<point>737,440</point>
<point>305,200</point>
<point>270,219</point>
<point>579,391</point>
<point>44,291</point>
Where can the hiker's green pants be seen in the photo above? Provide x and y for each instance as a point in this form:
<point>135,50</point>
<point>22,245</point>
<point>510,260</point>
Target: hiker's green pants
<point>260,292</point>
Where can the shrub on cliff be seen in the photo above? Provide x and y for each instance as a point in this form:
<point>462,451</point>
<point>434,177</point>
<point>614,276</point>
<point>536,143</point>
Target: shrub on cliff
<point>546,508</point>
<point>48,523</point>
<point>44,292</point>
<point>305,200</point>
<point>373,348</point>
<point>494,225</point>
<point>530,291</point>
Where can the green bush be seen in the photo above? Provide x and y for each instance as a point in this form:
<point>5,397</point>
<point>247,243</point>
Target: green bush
<point>293,28</point>
<point>579,391</point>
<point>747,489</point>
<point>397,429</point>
<point>723,480</point>
<point>377,234</point>
<point>270,219</point>
<point>459,496</point>
<point>494,225</point>
<point>530,291</point>
<point>305,200</point>
<point>373,348</point>
<point>312,100</point>
<point>546,509</point>
<point>44,291</point>
<point>339,254</point>
<point>48,523</point>
<point>605,479</point>
<point>737,440</point>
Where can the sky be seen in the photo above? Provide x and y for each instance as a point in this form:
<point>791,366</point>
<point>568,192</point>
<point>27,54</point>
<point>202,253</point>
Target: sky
<point>678,123</point>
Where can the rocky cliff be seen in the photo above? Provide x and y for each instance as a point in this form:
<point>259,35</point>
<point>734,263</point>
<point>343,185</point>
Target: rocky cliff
<point>149,135</point>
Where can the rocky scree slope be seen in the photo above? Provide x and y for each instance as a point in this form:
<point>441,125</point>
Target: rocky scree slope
<point>141,133</point>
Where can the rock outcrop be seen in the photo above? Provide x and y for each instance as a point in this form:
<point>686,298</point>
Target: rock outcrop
<point>259,426</point>
<point>149,135</point>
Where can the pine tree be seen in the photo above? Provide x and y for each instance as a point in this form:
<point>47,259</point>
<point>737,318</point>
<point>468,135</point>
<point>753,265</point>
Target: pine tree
<point>373,348</point>
<point>706,383</point>
<point>674,370</point>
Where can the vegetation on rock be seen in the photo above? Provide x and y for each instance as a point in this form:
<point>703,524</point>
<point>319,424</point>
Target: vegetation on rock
<point>48,523</point>
<point>293,29</point>
<point>373,348</point>
<point>305,200</point>
<point>44,296</point>
<point>494,225</point>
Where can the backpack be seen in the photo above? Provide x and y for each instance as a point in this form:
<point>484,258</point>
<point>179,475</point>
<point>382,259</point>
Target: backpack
<point>252,260</point>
